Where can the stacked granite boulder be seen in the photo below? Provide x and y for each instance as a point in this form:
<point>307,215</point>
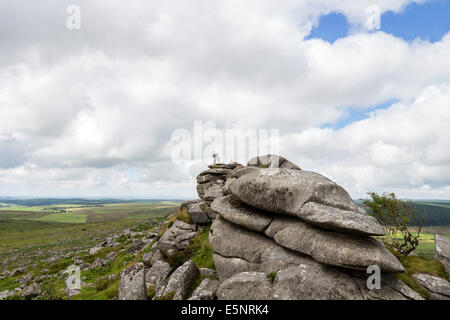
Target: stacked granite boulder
<point>210,185</point>
<point>297,228</point>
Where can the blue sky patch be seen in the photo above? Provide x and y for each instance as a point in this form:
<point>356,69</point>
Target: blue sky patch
<point>354,114</point>
<point>429,21</point>
<point>331,27</point>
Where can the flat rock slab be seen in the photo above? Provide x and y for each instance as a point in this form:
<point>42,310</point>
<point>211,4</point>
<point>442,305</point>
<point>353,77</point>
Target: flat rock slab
<point>438,288</point>
<point>442,252</point>
<point>333,248</point>
<point>345,221</point>
<point>239,213</point>
<point>307,195</point>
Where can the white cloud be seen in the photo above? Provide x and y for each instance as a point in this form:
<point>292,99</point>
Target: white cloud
<point>403,148</point>
<point>80,110</point>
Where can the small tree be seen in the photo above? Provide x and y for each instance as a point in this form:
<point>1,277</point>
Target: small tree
<point>396,216</point>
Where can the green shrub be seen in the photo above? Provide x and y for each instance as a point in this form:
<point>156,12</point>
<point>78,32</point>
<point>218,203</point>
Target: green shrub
<point>271,276</point>
<point>101,284</point>
<point>179,257</point>
<point>183,215</point>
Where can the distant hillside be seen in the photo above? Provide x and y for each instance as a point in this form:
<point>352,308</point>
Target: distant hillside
<point>437,213</point>
<point>74,201</point>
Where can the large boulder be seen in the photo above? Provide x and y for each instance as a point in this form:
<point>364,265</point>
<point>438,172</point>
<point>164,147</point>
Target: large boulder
<point>307,195</point>
<point>132,283</point>
<point>181,281</point>
<point>438,288</point>
<point>442,252</point>
<point>206,290</point>
<point>272,161</point>
<point>239,213</point>
<point>333,248</point>
<point>238,250</point>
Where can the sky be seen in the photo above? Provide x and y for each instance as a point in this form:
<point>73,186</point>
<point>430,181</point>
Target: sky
<point>358,91</point>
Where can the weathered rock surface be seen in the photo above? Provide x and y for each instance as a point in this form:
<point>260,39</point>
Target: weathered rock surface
<point>157,275</point>
<point>314,281</point>
<point>438,288</point>
<point>442,252</point>
<point>211,182</point>
<point>237,250</point>
<point>132,283</point>
<point>239,213</point>
<point>333,248</point>
<point>272,161</point>
<point>181,281</point>
<point>245,286</point>
<point>206,290</point>
<point>208,272</point>
<point>178,236</point>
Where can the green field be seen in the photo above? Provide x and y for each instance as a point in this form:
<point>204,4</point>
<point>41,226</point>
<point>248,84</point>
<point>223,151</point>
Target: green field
<point>64,218</point>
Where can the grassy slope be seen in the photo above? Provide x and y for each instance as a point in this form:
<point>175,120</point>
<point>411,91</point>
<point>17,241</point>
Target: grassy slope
<point>33,238</point>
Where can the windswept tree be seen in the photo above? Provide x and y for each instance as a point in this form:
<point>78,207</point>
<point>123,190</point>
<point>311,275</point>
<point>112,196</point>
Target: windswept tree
<point>397,217</point>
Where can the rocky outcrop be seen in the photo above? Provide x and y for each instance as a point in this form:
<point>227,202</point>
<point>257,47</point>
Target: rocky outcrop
<point>132,283</point>
<point>442,252</point>
<point>438,288</point>
<point>285,233</point>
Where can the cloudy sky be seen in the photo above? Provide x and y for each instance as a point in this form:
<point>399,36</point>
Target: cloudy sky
<point>91,112</point>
